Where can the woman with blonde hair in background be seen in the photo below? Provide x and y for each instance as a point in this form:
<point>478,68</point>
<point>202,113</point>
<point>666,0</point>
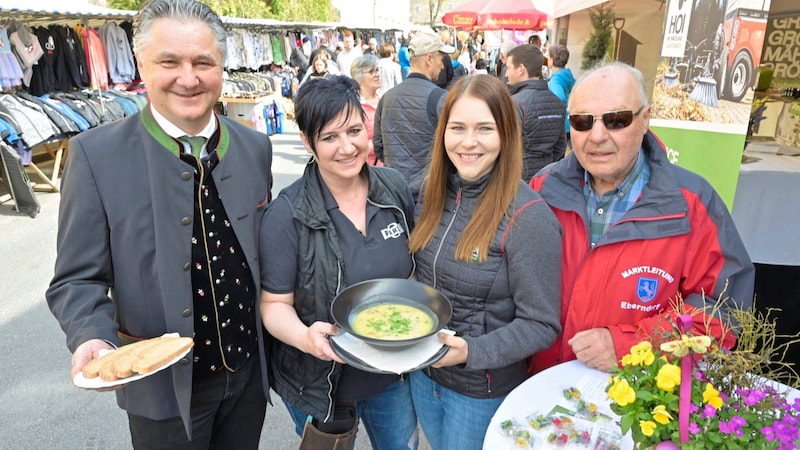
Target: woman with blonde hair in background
<point>366,72</point>
<point>490,244</point>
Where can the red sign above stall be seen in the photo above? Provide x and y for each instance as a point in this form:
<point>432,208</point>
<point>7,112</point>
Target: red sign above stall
<point>496,15</point>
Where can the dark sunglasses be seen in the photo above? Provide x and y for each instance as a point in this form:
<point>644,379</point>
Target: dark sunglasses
<point>613,120</point>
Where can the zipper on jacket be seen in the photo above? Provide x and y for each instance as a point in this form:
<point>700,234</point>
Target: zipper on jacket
<point>488,382</point>
<point>329,378</point>
<point>329,416</point>
<point>634,220</point>
<point>444,235</point>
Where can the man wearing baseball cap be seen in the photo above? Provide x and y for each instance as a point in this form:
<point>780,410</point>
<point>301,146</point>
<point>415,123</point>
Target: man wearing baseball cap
<point>406,117</point>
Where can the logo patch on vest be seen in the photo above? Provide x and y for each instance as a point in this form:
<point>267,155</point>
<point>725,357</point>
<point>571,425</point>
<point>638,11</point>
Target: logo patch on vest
<point>646,289</point>
<point>393,231</point>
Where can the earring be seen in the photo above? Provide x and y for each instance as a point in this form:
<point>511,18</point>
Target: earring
<point>311,160</point>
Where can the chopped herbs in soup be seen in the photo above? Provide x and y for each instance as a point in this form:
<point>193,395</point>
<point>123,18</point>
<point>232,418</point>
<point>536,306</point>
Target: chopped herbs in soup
<point>392,321</point>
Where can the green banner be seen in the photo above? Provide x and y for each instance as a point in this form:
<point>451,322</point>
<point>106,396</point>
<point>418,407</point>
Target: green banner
<point>706,153</point>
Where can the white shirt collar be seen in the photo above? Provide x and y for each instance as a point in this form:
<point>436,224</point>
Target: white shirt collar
<point>174,131</point>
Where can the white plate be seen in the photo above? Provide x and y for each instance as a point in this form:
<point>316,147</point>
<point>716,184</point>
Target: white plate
<point>387,359</point>
<point>98,383</point>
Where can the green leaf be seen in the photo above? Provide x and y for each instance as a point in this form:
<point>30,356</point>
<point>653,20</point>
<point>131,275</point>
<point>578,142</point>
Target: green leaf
<point>625,424</point>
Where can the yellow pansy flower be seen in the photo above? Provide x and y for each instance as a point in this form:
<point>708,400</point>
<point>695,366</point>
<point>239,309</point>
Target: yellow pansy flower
<point>661,415</point>
<point>641,347</point>
<point>648,427</point>
<point>711,396</point>
<point>641,354</point>
<point>680,347</point>
<point>668,377</point>
<point>622,393</point>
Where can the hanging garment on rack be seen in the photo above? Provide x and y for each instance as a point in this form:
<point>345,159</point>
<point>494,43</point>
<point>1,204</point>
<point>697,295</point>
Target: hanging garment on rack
<point>67,111</point>
<point>95,58</point>
<point>43,79</point>
<point>127,26</point>
<point>71,56</point>
<point>82,107</point>
<point>110,109</point>
<point>34,124</point>
<point>127,105</point>
<point>64,123</point>
<point>121,67</point>
<point>26,48</point>
<point>10,71</point>
<point>277,49</point>
<point>238,56</point>
<point>251,58</point>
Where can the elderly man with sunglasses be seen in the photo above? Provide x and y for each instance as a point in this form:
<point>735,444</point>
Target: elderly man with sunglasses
<point>644,240</point>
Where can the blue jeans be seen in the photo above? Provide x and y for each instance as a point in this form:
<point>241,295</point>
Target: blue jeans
<point>388,417</point>
<point>451,421</point>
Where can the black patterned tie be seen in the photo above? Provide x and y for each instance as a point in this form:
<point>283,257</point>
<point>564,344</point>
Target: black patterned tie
<point>195,142</point>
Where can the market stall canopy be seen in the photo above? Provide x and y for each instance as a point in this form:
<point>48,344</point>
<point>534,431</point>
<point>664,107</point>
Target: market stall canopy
<point>46,12</point>
<point>33,12</point>
<point>496,15</point>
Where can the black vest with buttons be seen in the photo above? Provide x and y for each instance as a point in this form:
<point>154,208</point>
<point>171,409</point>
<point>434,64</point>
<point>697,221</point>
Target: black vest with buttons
<point>223,287</point>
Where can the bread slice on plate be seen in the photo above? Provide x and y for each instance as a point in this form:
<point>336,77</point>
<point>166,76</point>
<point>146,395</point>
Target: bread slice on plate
<point>140,358</point>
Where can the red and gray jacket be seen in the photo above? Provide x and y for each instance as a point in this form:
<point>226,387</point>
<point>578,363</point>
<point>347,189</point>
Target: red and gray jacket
<point>677,240</point>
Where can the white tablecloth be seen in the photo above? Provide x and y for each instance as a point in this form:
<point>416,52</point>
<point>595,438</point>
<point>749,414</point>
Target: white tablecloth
<point>542,392</point>
<point>766,208</point>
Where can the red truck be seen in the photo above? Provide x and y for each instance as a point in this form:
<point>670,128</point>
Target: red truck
<point>744,29</point>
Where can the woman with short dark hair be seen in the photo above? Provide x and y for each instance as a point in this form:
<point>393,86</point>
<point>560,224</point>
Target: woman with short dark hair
<point>319,236</point>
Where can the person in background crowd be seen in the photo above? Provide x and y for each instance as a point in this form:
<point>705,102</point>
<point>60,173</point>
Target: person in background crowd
<point>536,41</point>
<point>391,74</point>
<point>459,70</point>
<point>131,267</point>
<point>403,58</point>
<point>366,71</point>
<point>327,228</point>
<point>446,74</point>
<point>480,66</point>
<point>299,60</point>
<point>348,53</point>
<point>307,45</point>
<point>640,233</point>
<point>500,62</point>
<point>463,56</point>
<point>407,114</point>
<point>319,67</point>
<point>332,67</point>
<point>492,246</point>
<point>561,79</point>
<point>541,112</point>
<point>372,47</point>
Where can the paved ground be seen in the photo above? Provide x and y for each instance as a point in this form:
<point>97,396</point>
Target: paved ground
<point>39,406</point>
